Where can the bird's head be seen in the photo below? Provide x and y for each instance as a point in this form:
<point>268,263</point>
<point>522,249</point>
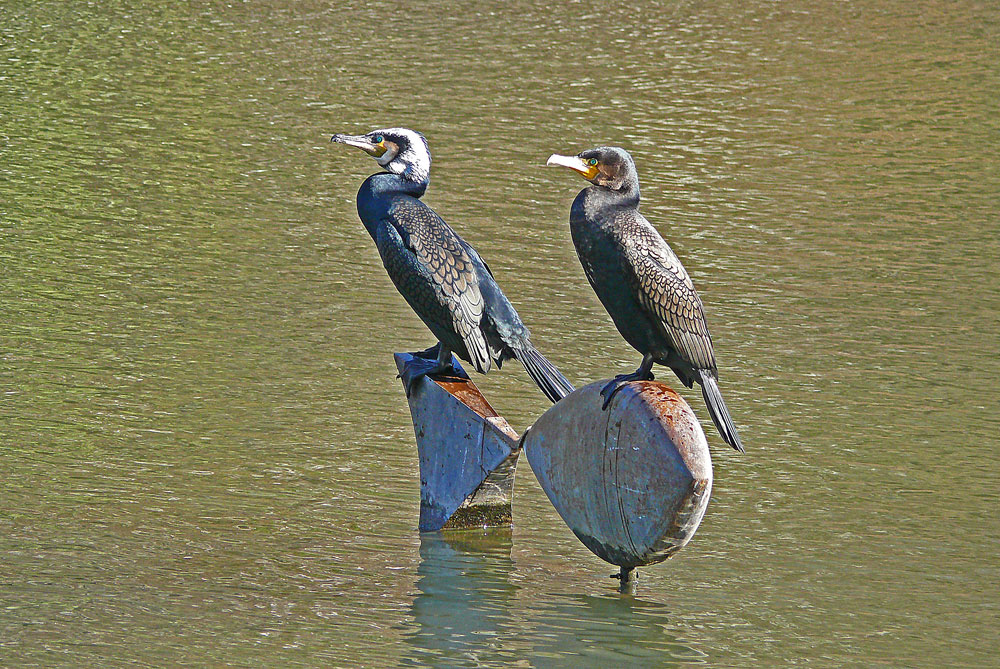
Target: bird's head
<point>397,150</point>
<point>607,166</point>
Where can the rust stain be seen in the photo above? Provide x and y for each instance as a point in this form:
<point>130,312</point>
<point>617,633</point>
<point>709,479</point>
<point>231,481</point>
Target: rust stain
<point>466,392</point>
<point>673,412</point>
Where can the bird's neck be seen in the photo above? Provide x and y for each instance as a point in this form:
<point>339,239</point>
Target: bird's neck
<point>597,200</point>
<point>377,193</point>
<point>388,184</point>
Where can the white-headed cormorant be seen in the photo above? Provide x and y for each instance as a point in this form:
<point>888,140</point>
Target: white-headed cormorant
<point>640,281</point>
<point>440,275</point>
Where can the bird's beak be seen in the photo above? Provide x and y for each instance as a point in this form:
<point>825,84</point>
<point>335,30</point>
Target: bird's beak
<point>361,142</point>
<point>575,163</point>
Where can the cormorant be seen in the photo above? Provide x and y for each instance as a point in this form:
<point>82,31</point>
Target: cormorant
<point>640,281</point>
<point>440,275</point>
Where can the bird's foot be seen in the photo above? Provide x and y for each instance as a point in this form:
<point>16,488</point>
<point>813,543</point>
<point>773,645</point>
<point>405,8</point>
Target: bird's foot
<point>418,366</point>
<point>608,391</point>
<point>413,369</point>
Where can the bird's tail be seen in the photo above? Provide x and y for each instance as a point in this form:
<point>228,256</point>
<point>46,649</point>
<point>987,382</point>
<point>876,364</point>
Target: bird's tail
<point>718,411</point>
<point>549,380</point>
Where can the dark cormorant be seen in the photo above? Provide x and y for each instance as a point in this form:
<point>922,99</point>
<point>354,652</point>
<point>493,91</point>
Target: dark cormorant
<point>640,281</point>
<point>437,272</point>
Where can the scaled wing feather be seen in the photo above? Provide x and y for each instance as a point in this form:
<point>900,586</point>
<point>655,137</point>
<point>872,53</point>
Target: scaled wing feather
<point>441,253</point>
<point>663,287</point>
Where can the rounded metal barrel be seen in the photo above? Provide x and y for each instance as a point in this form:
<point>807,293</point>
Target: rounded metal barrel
<point>632,481</point>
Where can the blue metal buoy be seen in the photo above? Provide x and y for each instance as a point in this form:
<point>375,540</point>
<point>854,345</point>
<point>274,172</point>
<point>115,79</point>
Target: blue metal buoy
<point>632,481</point>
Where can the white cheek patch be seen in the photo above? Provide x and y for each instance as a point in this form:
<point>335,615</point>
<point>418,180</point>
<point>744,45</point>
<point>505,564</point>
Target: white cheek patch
<point>418,163</point>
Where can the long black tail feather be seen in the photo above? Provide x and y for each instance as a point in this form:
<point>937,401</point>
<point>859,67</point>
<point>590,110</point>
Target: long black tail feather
<point>549,380</point>
<point>718,411</point>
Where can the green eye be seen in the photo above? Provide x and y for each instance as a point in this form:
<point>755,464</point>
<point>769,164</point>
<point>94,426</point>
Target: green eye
<point>378,139</point>
<point>592,162</point>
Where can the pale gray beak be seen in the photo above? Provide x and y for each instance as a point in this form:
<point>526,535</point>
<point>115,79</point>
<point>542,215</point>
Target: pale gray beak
<point>357,141</point>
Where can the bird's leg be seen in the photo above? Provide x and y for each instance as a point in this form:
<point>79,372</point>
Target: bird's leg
<point>446,363</point>
<point>443,362</point>
<point>420,366</point>
<point>641,374</point>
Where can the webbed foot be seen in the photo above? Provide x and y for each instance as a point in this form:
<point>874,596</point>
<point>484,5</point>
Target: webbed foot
<point>420,365</point>
<point>608,391</point>
<point>414,368</point>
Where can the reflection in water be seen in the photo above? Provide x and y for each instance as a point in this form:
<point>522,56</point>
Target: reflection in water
<point>602,630</point>
<point>465,595</point>
<point>468,612</point>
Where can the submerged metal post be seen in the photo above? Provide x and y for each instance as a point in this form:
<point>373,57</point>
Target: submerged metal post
<point>468,453</point>
<point>632,481</point>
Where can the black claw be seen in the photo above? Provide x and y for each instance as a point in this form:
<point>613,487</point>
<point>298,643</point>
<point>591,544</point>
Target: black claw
<point>412,371</point>
<point>421,366</point>
<point>609,391</point>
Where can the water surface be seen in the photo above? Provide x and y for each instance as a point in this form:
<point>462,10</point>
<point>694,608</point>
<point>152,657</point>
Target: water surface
<point>206,457</point>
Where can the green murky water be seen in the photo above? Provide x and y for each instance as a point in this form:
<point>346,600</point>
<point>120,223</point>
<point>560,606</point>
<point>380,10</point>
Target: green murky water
<point>206,459</point>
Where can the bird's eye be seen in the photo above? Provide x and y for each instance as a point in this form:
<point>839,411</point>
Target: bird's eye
<point>592,162</point>
<point>378,139</point>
